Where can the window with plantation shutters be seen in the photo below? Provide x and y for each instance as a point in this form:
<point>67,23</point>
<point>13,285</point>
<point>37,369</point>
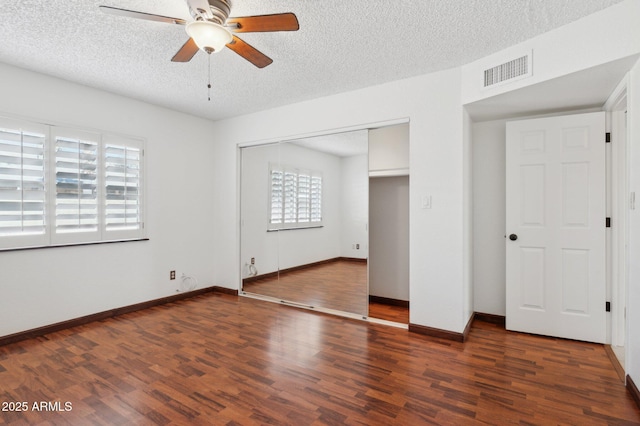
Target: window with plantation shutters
<point>123,182</point>
<point>22,182</point>
<point>295,198</point>
<point>76,171</point>
<point>62,186</point>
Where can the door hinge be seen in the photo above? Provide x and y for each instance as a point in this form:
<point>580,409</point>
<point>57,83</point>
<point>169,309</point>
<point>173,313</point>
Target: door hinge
<point>608,222</point>
<point>608,306</point>
<point>607,137</point>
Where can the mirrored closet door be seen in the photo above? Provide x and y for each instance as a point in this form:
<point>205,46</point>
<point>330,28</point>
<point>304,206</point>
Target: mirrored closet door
<point>304,214</point>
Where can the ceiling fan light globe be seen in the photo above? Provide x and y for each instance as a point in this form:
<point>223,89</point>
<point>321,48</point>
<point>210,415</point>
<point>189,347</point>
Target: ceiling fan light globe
<point>209,36</point>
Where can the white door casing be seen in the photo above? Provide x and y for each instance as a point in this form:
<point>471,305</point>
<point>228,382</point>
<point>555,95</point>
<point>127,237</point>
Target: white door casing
<point>555,188</point>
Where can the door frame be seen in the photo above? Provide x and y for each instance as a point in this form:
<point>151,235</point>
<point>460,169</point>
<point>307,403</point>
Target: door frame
<point>618,188</point>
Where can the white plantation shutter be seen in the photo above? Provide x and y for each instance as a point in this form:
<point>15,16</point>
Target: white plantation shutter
<point>22,181</point>
<point>277,191</point>
<point>76,172</point>
<point>290,197</point>
<point>316,199</point>
<point>295,198</point>
<point>304,198</point>
<point>123,182</point>
<point>61,186</point>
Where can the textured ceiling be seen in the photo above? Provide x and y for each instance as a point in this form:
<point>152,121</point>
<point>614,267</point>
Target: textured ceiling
<point>341,45</point>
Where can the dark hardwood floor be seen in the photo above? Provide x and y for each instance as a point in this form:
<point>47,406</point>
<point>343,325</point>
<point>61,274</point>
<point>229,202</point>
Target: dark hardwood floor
<point>221,359</point>
<point>389,312</point>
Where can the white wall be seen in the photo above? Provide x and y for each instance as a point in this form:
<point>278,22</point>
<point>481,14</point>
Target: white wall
<point>45,286</point>
<point>632,360</point>
<point>467,222</point>
<point>389,237</point>
<point>436,242</point>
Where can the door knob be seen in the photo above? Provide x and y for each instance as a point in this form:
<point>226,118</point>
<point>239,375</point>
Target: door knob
<point>513,237</point>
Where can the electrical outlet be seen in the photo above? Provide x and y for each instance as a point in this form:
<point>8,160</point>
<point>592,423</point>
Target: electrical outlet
<point>253,260</point>
<point>172,275</point>
<point>357,246</point>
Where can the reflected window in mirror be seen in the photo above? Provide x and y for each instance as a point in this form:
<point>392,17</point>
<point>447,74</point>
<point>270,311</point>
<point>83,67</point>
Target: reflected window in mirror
<point>295,199</point>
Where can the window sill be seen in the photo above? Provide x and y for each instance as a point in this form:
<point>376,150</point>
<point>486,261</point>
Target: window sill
<point>73,245</point>
<point>294,228</point>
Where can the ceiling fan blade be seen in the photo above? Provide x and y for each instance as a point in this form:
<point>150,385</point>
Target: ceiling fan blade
<point>186,52</point>
<point>249,52</point>
<point>141,15</point>
<point>264,23</point>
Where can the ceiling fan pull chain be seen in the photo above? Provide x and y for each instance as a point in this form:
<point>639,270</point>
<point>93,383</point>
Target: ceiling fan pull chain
<point>209,83</point>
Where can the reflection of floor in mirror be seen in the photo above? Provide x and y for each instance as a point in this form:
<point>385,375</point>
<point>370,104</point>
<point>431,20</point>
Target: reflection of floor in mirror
<point>339,285</point>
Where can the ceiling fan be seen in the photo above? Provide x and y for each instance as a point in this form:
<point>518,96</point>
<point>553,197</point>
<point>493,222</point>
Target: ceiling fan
<point>212,29</point>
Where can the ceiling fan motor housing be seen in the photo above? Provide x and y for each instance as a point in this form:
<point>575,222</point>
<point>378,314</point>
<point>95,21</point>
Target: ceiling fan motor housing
<point>218,11</point>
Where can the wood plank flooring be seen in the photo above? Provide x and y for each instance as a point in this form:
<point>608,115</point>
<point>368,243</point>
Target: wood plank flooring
<point>389,312</point>
<point>225,360</point>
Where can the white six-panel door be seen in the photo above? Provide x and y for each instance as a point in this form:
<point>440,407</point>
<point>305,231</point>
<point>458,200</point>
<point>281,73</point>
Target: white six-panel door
<point>555,219</point>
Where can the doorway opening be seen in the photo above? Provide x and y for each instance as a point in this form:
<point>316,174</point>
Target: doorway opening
<point>389,248</point>
<point>389,223</point>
